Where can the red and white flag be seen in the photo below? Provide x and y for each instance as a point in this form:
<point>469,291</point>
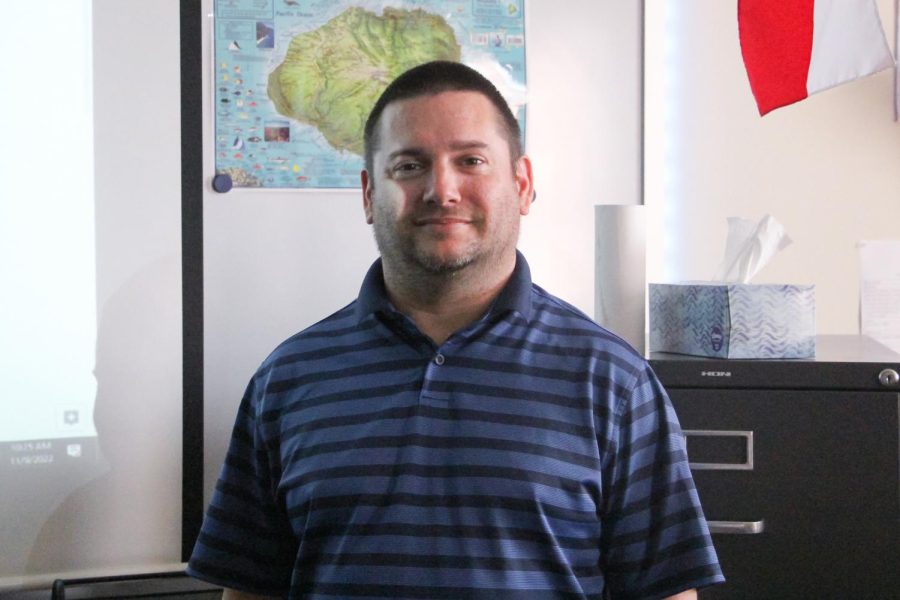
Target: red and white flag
<point>794,48</point>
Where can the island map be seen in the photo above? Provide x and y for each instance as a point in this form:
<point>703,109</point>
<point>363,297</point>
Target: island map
<point>296,79</point>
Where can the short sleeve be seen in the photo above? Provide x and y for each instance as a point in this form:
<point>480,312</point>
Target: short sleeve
<point>246,541</point>
<point>655,539</point>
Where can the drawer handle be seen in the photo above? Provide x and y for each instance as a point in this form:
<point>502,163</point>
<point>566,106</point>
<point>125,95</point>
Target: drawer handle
<point>747,465</point>
<point>737,527</point>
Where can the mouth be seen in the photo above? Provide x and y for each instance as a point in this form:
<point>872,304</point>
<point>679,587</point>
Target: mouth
<point>441,221</point>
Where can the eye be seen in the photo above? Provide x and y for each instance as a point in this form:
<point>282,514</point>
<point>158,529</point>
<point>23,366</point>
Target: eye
<point>406,168</point>
<point>473,161</point>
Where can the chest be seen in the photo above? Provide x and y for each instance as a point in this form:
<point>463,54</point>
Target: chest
<point>442,455</point>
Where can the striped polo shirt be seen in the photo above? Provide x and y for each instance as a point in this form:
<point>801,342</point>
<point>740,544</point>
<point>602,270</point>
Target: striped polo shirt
<point>533,454</point>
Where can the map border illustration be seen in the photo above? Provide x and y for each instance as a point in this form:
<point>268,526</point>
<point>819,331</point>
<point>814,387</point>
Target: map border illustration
<point>294,79</point>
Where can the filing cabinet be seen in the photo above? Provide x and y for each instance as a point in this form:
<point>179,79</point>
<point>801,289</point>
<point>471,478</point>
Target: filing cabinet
<point>797,464</point>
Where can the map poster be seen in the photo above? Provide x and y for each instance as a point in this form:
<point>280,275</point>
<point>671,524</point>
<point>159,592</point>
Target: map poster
<point>295,79</point>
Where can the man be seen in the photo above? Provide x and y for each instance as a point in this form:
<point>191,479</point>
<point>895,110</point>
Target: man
<point>456,432</point>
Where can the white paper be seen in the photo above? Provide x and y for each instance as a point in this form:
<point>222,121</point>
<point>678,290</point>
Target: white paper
<point>879,292</point>
<point>897,63</point>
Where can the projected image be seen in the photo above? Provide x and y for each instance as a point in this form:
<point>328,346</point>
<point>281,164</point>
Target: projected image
<point>50,436</point>
<point>48,313</point>
<point>90,309</point>
<point>48,309</point>
<point>49,325</point>
<point>138,323</point>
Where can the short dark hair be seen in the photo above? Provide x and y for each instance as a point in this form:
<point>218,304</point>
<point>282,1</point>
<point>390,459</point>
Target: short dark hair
<point>433,78</point>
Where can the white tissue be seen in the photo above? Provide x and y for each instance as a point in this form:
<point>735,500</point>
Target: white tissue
<point>750,247</point>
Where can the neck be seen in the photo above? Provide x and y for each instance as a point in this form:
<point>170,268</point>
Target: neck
<point>441,304</point>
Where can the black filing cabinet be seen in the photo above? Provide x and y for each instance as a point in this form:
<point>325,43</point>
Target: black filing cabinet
<point>797,463</point>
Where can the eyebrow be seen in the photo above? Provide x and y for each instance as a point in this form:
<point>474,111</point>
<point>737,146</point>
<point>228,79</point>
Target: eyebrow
<point>455,146</point>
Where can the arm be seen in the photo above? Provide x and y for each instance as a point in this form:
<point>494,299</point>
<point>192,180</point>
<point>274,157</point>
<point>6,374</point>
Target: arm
<point>649,481</point>
<point>685,595</point>
<point>246,541</point>
<point>230,594</point>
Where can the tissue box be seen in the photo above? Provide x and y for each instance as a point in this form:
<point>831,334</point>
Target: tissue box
<point>732,320</point>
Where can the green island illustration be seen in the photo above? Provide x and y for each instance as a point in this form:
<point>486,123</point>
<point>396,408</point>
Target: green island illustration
<point>332,76</point>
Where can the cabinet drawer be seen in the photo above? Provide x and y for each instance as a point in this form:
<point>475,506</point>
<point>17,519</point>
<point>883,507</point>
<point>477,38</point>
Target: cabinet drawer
<point>804,487</point>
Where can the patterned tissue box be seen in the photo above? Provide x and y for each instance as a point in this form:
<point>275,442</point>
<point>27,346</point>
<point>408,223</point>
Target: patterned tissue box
<point>731,320</point>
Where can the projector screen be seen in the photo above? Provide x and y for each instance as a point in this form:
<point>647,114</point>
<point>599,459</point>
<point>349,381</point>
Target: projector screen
<point>90,310</point>
<point>48,310</point>
<point>47,247</point>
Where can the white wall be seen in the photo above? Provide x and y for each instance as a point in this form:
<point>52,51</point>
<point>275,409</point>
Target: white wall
<point>828,167</point>
<point>277,261</point>
<point>584,133</point>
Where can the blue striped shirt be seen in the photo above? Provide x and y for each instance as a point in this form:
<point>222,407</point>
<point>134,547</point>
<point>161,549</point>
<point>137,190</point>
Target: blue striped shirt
<point>531,455</point>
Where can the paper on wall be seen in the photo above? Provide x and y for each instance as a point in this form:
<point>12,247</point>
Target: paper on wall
<point>879,291</point>
<point>897,63</point>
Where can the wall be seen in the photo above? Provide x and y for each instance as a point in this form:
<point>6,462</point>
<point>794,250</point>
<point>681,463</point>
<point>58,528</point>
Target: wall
<point>827,167</point>
<point>276,262</point>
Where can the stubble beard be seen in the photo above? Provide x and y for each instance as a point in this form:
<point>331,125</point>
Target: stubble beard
<point>404,253</point>
<point>415,264</point>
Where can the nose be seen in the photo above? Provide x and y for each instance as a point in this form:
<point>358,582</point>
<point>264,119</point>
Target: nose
<point>443,185</point>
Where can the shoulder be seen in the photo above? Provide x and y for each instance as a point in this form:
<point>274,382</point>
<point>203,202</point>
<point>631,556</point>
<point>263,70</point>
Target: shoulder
<point>313,347</point>
<point>340,327</point>
<point>574,342</point>
<point>568,326</point>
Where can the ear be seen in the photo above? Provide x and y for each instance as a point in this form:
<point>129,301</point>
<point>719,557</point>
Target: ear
<point>367,195</point>
<point>524,184</point>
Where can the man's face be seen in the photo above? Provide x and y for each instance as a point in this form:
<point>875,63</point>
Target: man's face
<point>444,193</point>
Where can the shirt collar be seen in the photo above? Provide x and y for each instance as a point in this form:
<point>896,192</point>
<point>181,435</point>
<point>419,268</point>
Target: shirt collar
<point>515,295</point>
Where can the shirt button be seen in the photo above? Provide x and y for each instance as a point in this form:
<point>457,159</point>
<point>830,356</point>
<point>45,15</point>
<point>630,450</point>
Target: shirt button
<point>439,359</point>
